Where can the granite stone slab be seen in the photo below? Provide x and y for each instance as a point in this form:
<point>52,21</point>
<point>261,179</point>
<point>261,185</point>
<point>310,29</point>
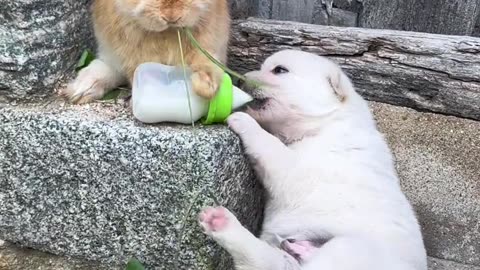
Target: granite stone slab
<point>17,258</point>
<point>13,257</point>
<point>40,43</point>
<point>92,183</point>
<point>438,264</point>
<point>68,159</point>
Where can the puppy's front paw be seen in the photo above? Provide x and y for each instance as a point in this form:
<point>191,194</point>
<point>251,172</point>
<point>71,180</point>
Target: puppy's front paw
<point>204,84</point>
<point>241,123</point>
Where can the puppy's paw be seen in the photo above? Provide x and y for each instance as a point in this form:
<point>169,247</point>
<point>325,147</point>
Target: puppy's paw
<point>241,123</point>
<point>223,227</point>
<point>214,219</point>
<point>219,223</point>
<point>204,84</point>
<point>300,250</point>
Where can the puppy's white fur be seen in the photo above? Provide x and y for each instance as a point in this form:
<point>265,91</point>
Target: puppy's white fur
<point>328,173</point>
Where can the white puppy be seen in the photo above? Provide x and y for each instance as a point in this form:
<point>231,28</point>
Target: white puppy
<point>334,199</point>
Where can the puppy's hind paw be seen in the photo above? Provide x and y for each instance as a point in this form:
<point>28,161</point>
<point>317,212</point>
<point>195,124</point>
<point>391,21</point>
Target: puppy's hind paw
<point>300,250</point>
<point>213,219</point>
<point>241,123</point>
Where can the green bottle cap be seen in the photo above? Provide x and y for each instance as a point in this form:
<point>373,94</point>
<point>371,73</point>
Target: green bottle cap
<point>220,106</point>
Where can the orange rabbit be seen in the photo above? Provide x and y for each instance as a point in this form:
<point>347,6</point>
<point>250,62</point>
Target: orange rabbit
<point>131,32</point>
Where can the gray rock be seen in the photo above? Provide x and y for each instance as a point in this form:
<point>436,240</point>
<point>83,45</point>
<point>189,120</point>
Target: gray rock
<point>438,163</point>
<point>89,182</point>
<point>16,258</point>
<point>84,181</point>
<point>437,264</point>
<point>40,43</point>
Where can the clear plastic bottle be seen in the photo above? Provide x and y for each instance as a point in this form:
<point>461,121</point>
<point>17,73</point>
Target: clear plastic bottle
<point>158,95</point>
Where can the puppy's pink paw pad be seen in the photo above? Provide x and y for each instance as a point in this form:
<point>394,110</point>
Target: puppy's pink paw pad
<point>301,250</point>
<point>214,219</point>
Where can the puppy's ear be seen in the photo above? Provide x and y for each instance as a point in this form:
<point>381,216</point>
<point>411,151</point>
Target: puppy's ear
<point>340,84</point>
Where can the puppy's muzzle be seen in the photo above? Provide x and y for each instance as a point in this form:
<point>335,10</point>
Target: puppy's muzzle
<point>248,86</point>
<point>259,99</point>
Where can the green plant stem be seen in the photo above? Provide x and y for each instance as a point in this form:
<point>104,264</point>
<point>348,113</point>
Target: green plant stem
<point>185,75</point>
<point>215,61</point>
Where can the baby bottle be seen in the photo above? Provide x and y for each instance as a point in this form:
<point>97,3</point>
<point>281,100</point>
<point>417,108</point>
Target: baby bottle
<point>159,94</point>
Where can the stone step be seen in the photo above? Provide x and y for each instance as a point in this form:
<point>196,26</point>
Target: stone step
<point>87,181</point>
<point>438,264</point>
<point>16,258</point>
<point>438,161</point>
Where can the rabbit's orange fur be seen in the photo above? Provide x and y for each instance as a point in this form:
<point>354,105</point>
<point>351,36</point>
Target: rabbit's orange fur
<point>131,32</point>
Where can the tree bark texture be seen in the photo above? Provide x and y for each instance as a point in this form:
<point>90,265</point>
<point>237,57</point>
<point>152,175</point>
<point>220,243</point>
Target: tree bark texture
<point>452,17</point>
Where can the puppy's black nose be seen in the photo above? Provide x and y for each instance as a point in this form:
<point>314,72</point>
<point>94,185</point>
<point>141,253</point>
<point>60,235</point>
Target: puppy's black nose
<point>240,84</point>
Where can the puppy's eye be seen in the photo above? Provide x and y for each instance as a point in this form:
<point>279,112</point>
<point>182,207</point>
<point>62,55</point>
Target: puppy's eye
<point>279,70</point>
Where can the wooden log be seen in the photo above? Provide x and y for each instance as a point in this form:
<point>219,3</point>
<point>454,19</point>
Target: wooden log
<point>429,72</point>
<point>451,17</point>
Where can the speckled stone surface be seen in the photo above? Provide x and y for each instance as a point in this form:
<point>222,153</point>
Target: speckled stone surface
<point>16,258</point>
<point>81,180</point>
<point>89,182</point>
<point>438,160</point>
<point>40,43</point>
<point>438,264</point>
